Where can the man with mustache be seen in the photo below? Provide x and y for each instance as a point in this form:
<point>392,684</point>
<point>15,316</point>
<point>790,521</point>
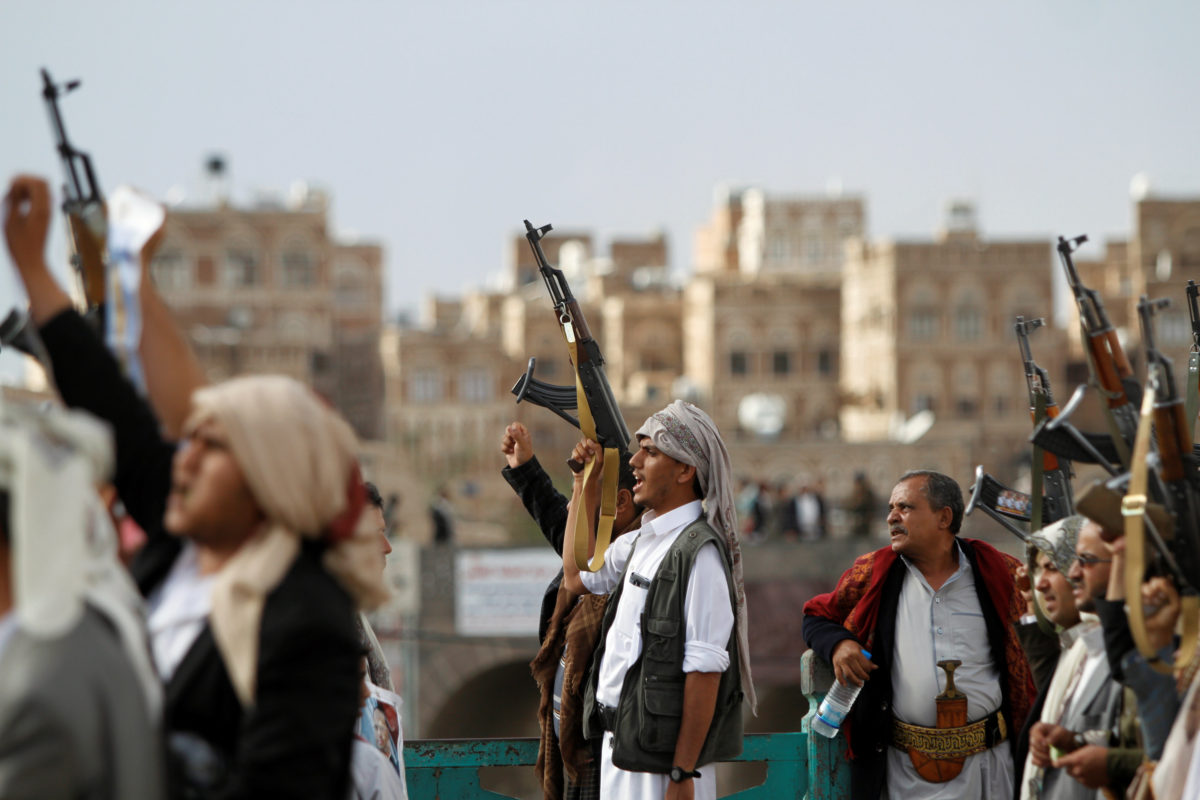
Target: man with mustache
<point>928,597</point>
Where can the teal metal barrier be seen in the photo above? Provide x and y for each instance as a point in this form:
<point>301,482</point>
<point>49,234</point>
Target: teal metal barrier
<point>799,765</point>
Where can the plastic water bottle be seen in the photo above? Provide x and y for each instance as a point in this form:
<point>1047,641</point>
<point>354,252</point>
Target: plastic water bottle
<point>836,706</point>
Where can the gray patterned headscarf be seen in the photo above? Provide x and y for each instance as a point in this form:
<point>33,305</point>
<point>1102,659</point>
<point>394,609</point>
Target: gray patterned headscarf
<point>688,435</point>
<point>1057,540</point>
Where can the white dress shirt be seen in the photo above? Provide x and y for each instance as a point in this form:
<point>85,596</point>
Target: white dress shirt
<point>933,626</point>
<point>177,611</point>
<point>372,776</point>
<point>8,626</point>
<point>707,624</point>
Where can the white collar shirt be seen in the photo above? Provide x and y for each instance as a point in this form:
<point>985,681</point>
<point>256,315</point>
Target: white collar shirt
<point>8,626</point>
<point>708,614</point>
<point>177,611</point>
<point>933,626</point>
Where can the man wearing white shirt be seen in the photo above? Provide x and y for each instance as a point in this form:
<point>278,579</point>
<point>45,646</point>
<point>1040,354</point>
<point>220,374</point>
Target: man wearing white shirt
<point>930,597</point>
<point>671,670</point>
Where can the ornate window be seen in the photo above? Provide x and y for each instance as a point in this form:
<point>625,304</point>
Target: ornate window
<point>240,268</point>
<point>171,270</point>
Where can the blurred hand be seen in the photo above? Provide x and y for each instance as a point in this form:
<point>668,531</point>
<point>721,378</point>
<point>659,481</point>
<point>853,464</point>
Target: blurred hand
<point>681,791</point>
<point>517,445</point>
<point>1043,736</point>
<point>1160,600</point>
<point>1088,765</point>
<point>850,666</point>
<point>1025,587</point>
<point>26,221</point>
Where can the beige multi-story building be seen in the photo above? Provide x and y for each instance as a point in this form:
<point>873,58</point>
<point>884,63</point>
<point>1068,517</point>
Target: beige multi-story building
<point>448,399</point>
<point>751,232</point>
<point>761,353</point>
<point>449,379</point>
<point>1157,261</point>
<point>927,326</point>
<point>267,289</point>
<point>1163,255</point>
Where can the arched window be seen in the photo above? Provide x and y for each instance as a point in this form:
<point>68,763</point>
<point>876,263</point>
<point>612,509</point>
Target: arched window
<point>240,267</point>
<point>298,264</point>
<point>924,317</point>
<point>968,317</point>
<point>351,280</point>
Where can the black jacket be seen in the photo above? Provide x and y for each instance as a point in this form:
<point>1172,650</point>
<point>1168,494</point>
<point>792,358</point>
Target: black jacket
<point>548,507</point>
<point>296,740</point>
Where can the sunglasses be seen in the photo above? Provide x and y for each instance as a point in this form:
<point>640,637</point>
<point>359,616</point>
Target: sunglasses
<point>1087,560</point>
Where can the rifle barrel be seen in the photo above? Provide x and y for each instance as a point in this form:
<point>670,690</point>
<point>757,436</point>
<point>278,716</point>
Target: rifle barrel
<point>1193,298</point>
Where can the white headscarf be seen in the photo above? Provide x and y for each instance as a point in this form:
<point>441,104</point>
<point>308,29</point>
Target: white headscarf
<point>688,435</point>
<point>63,542</point>
<point>298,459</point>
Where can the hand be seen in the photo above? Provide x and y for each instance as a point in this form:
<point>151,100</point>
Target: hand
<point>1116,572</point>
<point>850,666</point>
<point>1160,600</point>
<point>685,790</point>
<point>517,445</point>
<point>26,221</point>
<point>1043,736</point>
<point>585,451</point>
<point>1088,765</point>
<point>1025,587</point>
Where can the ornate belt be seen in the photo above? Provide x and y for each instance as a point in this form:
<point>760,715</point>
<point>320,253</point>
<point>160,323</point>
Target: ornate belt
<point>943,743</point>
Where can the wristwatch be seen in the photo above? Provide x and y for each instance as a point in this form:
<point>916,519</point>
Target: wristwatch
<point>679,774</point>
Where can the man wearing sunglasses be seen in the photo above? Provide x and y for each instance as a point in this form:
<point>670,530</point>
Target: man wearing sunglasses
<point>1090,747</point>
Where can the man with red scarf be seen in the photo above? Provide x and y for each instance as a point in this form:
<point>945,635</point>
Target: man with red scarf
<point>928,597</point>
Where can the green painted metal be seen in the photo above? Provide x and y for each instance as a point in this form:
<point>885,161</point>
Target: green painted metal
<point>799,765</point>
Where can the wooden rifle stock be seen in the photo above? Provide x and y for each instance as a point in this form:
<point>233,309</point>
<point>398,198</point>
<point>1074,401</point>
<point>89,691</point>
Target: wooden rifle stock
<point>1111,366</point>
<point>1049,460</point>
<point>1172,439</point>
<point>88,258</point>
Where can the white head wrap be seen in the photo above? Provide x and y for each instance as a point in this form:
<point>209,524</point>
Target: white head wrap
<point>688,435</point>
<point>298,458</point>
<point>64,546</point>
<point>1058,539</point>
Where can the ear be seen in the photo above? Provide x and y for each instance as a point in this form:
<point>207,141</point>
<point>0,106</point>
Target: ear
<point>945,517</point>
<point>686,474</point>
<point>624,501</point>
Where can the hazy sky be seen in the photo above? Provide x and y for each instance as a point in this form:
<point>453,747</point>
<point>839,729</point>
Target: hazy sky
<point>438,126</point>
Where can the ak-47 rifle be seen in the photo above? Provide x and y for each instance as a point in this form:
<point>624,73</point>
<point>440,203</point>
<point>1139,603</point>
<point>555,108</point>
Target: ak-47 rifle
<point>1054,474</point>
<point>611,431</point>
<point>1173,440</point>
<point>1193,381</point>
<point>83,202</point>
<point>1110,367</point>
<point>1162,416</point>
<point>599,418</point>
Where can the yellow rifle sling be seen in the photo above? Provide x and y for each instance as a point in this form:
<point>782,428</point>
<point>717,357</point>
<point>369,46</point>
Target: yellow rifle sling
<point>1133,508</point>
<point>608,486</point>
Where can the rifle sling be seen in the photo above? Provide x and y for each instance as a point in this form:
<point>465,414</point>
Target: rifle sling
<point>1133,508</point>
<point>608,488</point>
<point>1193,390</point>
